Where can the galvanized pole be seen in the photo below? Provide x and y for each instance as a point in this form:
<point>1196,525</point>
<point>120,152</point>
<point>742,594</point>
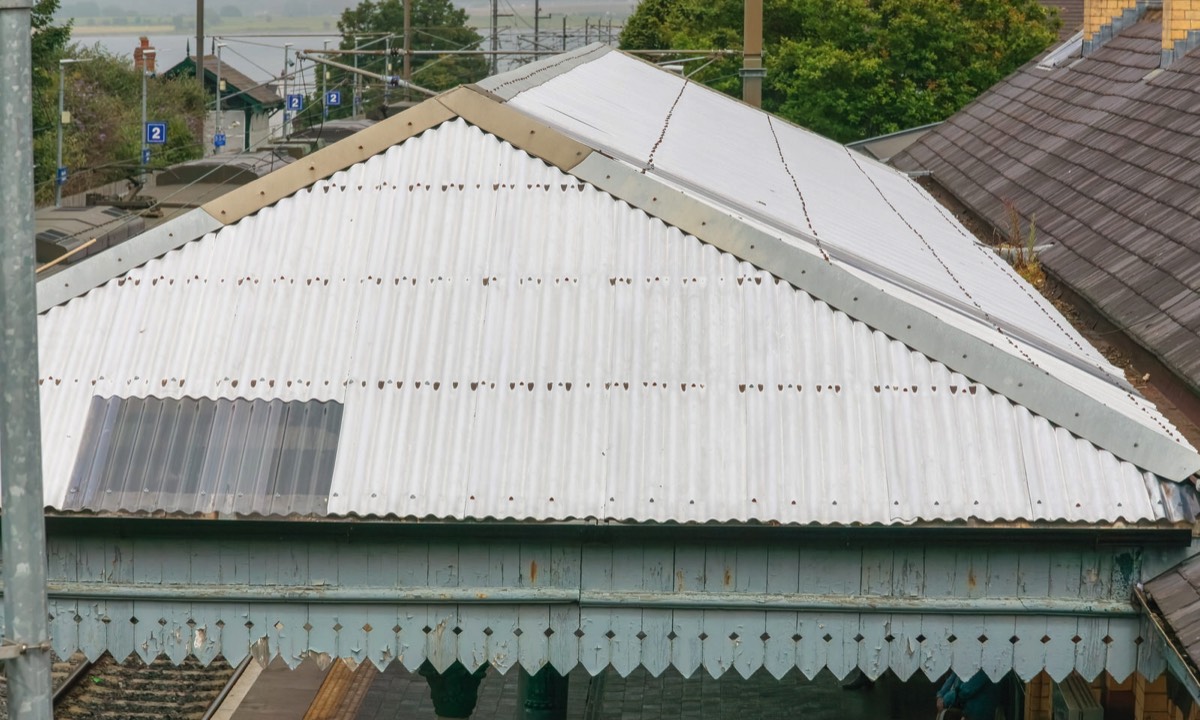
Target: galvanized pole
<point>564,44</point>
<point>200,43</point>
<point>145,145</point>
<point>752,43</point>
<point>387,69</point>
<point>407,47</point>
<point>354,102</point>
<point>62,76</point>
<point>23,532</point>
<point>324,85</point>
<point>283,76</point>
<point>495,35</point>
<point>218,122</point>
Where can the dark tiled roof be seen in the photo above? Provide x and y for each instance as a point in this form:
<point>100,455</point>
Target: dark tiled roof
<point>1071,14</point>
<point>1109,163</point>
<point>1176,596</point>
<point>235,80</point>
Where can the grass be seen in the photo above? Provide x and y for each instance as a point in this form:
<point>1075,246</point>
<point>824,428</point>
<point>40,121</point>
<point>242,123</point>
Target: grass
<point>1018,246</point>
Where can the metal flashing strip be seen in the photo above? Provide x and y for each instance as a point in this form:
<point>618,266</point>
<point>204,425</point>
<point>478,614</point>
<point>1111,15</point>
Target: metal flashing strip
<point>98,269</point>
<point>514,82</point>
<point>899,317</point>
<point>515,128</point>
<point>250,198</point>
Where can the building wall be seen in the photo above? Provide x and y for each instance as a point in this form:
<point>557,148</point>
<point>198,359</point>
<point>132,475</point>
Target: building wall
<point>1098,13</point>
<point>1179,17</point>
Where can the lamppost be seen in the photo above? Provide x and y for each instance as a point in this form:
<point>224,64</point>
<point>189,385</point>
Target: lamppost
<point>286,110</point>
<point>324,82</point>
<point>218,123</point>
<point>60,176</point>
<point>147,60</point>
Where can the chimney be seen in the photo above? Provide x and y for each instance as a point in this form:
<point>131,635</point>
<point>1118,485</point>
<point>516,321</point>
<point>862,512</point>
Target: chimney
<point>1102,19</point>
<point>1180,28</point>
<point>140,59</point>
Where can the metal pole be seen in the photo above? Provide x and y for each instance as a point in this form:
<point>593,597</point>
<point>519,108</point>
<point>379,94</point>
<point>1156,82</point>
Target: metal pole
<point>752,43</point>
<point>354,101</point>
<point>23,532</point>
<point>218,122</point>
<point>408,48</point>
<point>537,24</point>
<point>564,33</point>
<point>62,64</point>
<point>387,68</point>
<point>324,86</point>
<point>145,145</point>
<point>283,76</point>
<point>200,43</point>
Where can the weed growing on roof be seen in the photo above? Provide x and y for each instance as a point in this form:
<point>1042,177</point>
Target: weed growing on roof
<point>1018,247</point>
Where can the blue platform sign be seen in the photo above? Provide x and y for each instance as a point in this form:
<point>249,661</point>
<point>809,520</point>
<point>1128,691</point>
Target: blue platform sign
<point>146,156</point>
<point>60,177</point>
<point>333,98</point>
<point>219,140</point>
<point>295,103</point>
<point>156,133</point>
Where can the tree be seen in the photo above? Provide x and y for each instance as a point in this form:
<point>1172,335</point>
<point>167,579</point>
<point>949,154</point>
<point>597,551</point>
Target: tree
<point>851,69</point>
<point>103,141</point>
<point>48,44</point>
<point>436,25</point>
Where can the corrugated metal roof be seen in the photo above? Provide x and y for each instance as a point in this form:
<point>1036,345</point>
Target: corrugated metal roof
<point>856,211</point>
<point>1105,155</point>
<point>509,342</point>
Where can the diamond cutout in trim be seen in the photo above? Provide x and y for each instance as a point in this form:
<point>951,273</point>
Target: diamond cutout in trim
<point>426,629</point>
<point>1014,639</point>
<point>487,631</point>
<point>982,638</point>
<point>952,638</point>
<point>1076,639</point>
<point>579,633</point>
<point>1138,640</point>
<point>78,618</point>
<point>641,635</point>
<point>367,628</point>
<point>858,637</point>
<point>797,637</point>
<point>518,632</point>
<point>703,636</point>
<point>162,622</point>
<point>921,638</point>
<point>190,623</point>
<point>396,629</point>
<point>279,626</point>
<point>134,621</point>
<point>457,630</point>
<point>1045,639</point>
<point>734,636</point>
<point>610,634</point>
<point>548,632</point>
<point>764,637</point>
<point>337,627</point>
<point>307,627</point>
<point>1107,640</point>
<point>827,637</point>
<point>220,623</point>
<point>671,635</point>
<point>106,620</point>
<point>249,625</point>
<point>889,637</point>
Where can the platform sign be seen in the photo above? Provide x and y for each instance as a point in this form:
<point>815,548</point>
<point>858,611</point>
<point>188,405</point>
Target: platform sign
<point>219,140</point>
<point>295,103</point>
<point>333,98</point>
<point>146,156</point>
<point>60,177</point>
<point>156,133</point>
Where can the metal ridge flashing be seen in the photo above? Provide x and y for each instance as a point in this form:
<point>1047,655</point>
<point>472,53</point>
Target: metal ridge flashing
<point>269,189</point>
<point>510,84</point>
<point>900,318</point>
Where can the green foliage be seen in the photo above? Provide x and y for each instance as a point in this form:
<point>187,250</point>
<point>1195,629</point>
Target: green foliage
<point>851,69</point>
<point>103,141</point>
<point>436,25</point>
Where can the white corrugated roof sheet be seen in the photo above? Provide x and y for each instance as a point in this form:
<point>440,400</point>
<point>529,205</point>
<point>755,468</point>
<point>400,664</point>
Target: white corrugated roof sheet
<point>509,342</point>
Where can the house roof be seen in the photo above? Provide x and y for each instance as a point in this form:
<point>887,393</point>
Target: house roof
<point>235,81</point>
<point>1172,601</point>
<point>1102,151</point>
<point>539,299</point>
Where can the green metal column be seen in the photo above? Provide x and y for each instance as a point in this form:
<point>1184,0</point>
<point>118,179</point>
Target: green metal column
<point>543,695</point>
<point>455,691</point>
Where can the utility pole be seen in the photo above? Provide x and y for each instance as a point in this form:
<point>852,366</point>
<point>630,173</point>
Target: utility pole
<point>200,43</point>
<point>218,123</point>
<point>324,86</point>
<point>283,76</point>
<point>23,532</point>
<point>752,68</point>
<point>64,117</point>
<point>387,69</point>
<point>408,48</point>
<point>145,146</point>
<point>564,37</point>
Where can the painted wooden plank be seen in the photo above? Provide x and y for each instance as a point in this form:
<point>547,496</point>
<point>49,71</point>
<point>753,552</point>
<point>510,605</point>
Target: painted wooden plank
<point>1151,661</point>
<point>873,651</point>
<point>1121,658</point>
<point>178,631</point>
<point>781,649</point>
<point>1065,577</point>
<point>904,651</point>
<point>1060,651</point>
<point>937,651</point>
<point>941,564</point>
<point>1091,650</point>
<point>629,568</point>
<point>441,647</point>
<point>1003,570</point>
<point>147,630</point>
<point>324,566</point>
<point>593,645</point>
<point>414,618</point>
<point>841,653</point>
<point>658,576</point>
<point>877,570</point>
<point>1029,652</point>
<point>970,573</point>
<point>687,649</point>
<point>505,642</point>
<point>64,631</point>
<point>908,572</point>
<point>997,656</point>
<point>720,627</point>
<point>564,643</point>
<point>206,637</point>
<point>812,646</point>
<point>326,628</point>
<point>533,647</point>
<point>750,578</point>
<point>967,629</point>
<point>1033,573</point>
<point>381,640</point>
<point>596,574</point>
<point>475,569</point>
<point>830,571</point>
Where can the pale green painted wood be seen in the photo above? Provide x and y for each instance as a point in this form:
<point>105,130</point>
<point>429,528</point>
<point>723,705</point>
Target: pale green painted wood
<point>1091,652</point>
<point>1029,653</point>
<point>1119,662</point>
<point>937,652</point>
<point>904,652</point>
<point>996,656</point>
<point>1060,655</point>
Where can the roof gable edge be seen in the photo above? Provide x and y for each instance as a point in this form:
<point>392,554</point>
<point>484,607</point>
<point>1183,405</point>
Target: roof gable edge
<point>1019,381</point>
